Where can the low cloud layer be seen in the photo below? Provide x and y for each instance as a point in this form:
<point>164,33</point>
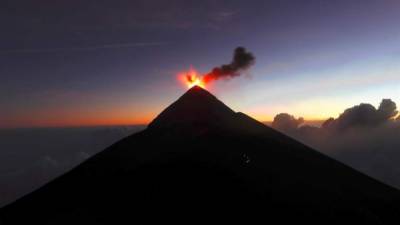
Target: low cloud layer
<point>30,158</point>
<point>364,137</point>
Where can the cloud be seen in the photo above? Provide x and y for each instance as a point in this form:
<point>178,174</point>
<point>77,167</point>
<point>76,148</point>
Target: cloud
<point>81,156</point>
<point>286,123</point>
<point>363,115</point>
<point>223,16</point>
<point>48,162</point>
<point>52,151</point>
<point>363,137</point>
<point>84,48</point>
<point>387,109</point>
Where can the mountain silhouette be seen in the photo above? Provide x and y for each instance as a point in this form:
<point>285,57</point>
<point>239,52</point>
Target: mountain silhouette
<point>199,162</point>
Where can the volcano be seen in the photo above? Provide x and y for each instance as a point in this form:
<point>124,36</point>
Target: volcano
<point>200,162</point>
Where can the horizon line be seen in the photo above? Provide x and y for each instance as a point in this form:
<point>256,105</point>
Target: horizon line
<point>268,122</point>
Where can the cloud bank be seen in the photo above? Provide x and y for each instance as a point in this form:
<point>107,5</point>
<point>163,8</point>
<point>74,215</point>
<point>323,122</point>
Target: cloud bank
<point>364,137</point>
<point>30,158</point>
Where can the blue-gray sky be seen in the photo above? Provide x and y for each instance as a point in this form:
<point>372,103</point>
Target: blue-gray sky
<point>112,62</point>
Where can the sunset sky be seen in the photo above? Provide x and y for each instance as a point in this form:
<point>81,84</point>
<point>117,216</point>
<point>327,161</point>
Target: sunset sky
<point>73,63</point>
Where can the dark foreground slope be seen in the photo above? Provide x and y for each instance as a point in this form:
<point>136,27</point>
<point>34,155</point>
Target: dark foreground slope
<point>200,162</point>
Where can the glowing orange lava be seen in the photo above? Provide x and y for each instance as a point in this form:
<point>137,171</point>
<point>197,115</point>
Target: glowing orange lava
<point>191,78</point>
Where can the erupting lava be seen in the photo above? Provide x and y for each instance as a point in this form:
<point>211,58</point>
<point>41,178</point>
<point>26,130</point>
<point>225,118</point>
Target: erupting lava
<point>241,61</point>
<point>192,78</point>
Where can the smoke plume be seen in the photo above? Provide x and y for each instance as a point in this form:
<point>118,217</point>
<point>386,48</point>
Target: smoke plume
<point>242,60</point>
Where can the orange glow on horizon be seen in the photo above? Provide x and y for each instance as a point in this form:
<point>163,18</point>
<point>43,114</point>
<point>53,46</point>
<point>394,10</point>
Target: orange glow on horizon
<point>109,120</point>
<point>76,122</point>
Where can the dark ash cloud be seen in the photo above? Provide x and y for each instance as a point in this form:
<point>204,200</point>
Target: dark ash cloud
<point>242,60</point>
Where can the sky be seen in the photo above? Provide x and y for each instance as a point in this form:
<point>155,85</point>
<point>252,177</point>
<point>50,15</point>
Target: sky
<point>78,63</point>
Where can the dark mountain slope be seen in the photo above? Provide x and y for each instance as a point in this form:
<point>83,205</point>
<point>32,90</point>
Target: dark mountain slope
<point>200,162</point>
